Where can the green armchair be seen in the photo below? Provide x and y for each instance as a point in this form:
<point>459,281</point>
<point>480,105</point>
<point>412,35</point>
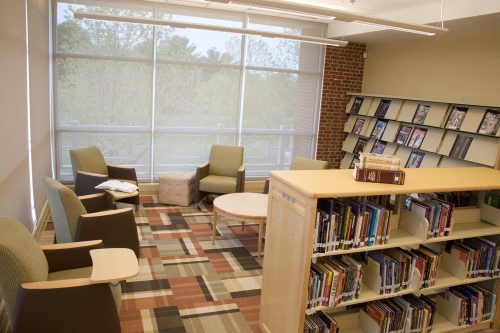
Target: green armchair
<point>88,218</point>
<point>90,169</point>
<point>51,289</point>
<point>302,163</point>
<point>224,173</point>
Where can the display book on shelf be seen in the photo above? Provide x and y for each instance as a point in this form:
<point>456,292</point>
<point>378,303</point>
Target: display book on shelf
<point>421,132</point>
<point>293,198</point>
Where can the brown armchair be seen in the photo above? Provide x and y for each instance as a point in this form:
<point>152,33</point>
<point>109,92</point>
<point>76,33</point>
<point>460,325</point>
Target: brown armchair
<point>302,163</point>
<point>52,288</point>
<point>90,169</point>
<point>224,173</point>
<point>86,218</point>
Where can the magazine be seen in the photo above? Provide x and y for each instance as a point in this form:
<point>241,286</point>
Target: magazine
<point>456,117</point>
<point>417,137</point>
<point>415,159</point>
<point>403,134</point>
<point>420,114</point>
<point>490,123</point>
<point>379,128</point>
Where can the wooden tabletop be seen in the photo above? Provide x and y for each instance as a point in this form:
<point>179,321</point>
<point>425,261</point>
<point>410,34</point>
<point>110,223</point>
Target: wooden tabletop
<point>340,182</point>
<point>113,265</point>
<point>117,195</point>
<point>246,204</point>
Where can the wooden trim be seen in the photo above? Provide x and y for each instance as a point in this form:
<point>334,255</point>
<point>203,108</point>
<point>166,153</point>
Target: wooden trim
<point>73,245</point>
<point>90,196</point>
<point>106,213</point>
<point>57,284</point>
<point>92,174</point>
<point>43,219</point>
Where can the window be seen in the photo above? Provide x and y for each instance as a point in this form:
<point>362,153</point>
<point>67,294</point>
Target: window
<point>156,98</point>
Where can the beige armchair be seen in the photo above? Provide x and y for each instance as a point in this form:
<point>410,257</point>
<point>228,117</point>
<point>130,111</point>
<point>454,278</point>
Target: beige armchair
<point>52,288</point>
<point>87,218</point>
<point>90,169</point>
<point>224,173</point>
<point>302,163</point>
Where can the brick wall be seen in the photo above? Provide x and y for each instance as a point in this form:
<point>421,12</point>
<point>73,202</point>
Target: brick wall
<point>343,73</point>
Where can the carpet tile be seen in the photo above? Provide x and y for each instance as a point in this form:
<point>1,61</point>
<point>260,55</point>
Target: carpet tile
<point>185,283</point>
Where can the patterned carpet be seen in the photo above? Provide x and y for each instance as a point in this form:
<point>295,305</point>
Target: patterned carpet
<point>185,283</point>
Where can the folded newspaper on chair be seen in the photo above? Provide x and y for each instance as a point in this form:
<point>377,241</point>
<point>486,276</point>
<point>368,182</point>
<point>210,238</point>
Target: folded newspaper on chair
<point>116,185</point>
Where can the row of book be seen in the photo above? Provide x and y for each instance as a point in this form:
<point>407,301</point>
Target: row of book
<point>438,212</point>
<point>472,303</point>
<point>480,256</point>
<point>393,315</point>
<point>333,281</point>
<point>321,322</point>
<point>397,266</point>
<point>347,223</point>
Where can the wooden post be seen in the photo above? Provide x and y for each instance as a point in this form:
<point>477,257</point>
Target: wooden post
<point>496,319</point>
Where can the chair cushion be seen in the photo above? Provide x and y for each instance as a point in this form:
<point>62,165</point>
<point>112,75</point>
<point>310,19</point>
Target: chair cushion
<point>218,184</point>
<point>88,159</point>
<point>21,260</point>
<point>85,272</point>
<point>225,160</point>
<point>65,208</point>
<point>302,163</point>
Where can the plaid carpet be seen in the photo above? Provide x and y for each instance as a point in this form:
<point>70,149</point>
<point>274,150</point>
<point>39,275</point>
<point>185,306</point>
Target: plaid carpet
<point>185,283</point>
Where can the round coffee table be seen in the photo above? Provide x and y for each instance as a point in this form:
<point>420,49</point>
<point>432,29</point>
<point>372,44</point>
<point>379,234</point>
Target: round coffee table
<point>245,207</point>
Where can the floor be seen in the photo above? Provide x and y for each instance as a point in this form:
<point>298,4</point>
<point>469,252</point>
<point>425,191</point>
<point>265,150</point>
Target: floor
<point>185,283</point>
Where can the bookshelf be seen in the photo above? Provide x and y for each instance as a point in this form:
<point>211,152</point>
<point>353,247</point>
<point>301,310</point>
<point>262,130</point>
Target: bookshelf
<point>455,134</point>
<point>289,253</point>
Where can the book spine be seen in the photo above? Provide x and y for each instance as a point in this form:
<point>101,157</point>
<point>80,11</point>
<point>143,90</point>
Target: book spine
<point>380,176</point>
<point>379,166</point>
<point>364,160</point>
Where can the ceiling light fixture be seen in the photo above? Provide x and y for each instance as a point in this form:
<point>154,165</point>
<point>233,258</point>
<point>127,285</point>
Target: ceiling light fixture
<point>339,15</point>
<point>185,25</point>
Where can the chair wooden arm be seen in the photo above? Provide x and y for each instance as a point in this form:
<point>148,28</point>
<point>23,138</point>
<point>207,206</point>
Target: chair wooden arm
<point>95,202</point>
<point>70,255</point>
<point>118,172</point>
<point>73,306</point>
<point>240,181</point>
<point>115,227</point>
<point>86,182</point>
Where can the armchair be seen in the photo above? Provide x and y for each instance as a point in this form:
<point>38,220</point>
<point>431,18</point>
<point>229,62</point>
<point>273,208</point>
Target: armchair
<point>302,163</point>
<point>224,173</point>
<point>90,169</point>
<point>53,288</point>
<point>84,218</point>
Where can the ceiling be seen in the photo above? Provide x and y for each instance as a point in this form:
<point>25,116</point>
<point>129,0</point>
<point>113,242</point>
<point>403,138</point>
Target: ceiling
<point>459,16</point>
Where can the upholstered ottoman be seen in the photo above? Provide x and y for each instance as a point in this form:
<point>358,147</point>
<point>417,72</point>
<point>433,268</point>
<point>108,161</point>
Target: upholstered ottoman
<point>177,188</point>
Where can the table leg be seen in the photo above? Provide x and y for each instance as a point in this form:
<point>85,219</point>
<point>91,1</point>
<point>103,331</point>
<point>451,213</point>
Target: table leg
<point>259,243</point>
<point>242,225</point>
<point>214,225</point>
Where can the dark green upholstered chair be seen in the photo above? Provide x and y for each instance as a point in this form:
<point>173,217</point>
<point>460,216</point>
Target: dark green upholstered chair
<point>86,218</point>
<point>90,169</point>
<point>302,163</point>
<point>224,173</point>
<point>48,288</point>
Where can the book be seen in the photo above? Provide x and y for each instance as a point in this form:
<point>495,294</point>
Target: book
<point>356,105</point>
<point>379,176</point>
<point>420,114</point>
<point>460,146</point>
<point>360,145</point>
<point>365,158</point>
<point>417,137</point>
<point>415,159</point>
<point>379,128</point>
<point>456,117</point>
<point>382,108</point>
<point>116,185</point>
<point>378,147</point>
<point>490,123</point>
<point>403,134</point>
<point>358,125</point>
<point>379,166</point>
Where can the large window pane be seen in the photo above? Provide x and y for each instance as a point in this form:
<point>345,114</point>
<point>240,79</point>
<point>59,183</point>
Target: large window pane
<point>104,92</point>
<point>119,148</point>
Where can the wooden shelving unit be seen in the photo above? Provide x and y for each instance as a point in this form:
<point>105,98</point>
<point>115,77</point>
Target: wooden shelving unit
<point>438,142</point>
<point>288,253</point>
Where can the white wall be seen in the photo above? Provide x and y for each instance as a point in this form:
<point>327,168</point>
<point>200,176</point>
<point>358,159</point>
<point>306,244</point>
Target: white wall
<point>463,69</point>
<point>14,167</point>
